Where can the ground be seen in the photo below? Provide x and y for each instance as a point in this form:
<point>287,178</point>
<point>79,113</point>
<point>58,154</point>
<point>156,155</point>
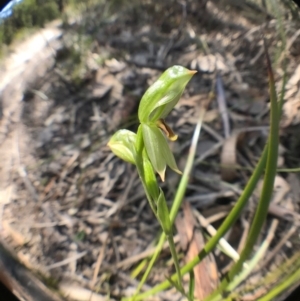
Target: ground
<point>77,214</point>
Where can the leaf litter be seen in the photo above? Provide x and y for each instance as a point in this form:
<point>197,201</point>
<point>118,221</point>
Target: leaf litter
<point>75,213</point>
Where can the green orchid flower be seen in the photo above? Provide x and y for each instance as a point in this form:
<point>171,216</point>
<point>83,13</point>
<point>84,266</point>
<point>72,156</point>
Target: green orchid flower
<point>157,149</point>
<point>162,96</point>
<point>122,144</point>
<point>155,105</point>
<point>148,149</point>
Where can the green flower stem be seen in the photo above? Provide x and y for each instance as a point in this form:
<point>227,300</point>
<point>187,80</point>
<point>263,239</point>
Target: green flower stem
<point>149,268</point>
<point>226,225</point>
<point>152,202</point>
<point>176,262</point>
<point>176,204</point>
<point>188,168</point>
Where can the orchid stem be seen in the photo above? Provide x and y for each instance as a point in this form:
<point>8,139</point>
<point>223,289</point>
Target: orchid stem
<point>176,262</point>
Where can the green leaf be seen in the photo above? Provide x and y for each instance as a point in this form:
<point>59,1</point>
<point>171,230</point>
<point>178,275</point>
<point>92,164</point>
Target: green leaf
<point>122,144</point>
<point>163,95</point>
<point>163,214</point>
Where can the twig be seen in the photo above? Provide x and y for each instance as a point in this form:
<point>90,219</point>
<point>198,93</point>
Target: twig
<point>222,106</point>
<point>65,261</point>
<point>209,152</point>
<point>98,265</point>
<point>212,231</point>
<point>212,132</point>
<point>283,240</point>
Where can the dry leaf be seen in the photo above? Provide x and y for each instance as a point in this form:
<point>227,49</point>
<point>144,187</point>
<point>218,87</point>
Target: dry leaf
<point>284,213</point>
<point>294,181</point>
<point>291,108</point>
<point>103,83</point>
<point>6,195</point>
<point>209,63</point>
<point>115,66</point>
<point>281,188</point>
<point>191,239</point>
<point>229,158</point>
<point>211,116</point>
<point>291,111</point>
<point>18,238</point>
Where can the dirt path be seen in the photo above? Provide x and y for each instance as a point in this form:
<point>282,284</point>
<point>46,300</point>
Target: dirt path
<point>20,71</point>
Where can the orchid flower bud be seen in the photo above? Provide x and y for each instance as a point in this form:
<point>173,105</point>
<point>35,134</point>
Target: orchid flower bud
<point>122,144</point>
